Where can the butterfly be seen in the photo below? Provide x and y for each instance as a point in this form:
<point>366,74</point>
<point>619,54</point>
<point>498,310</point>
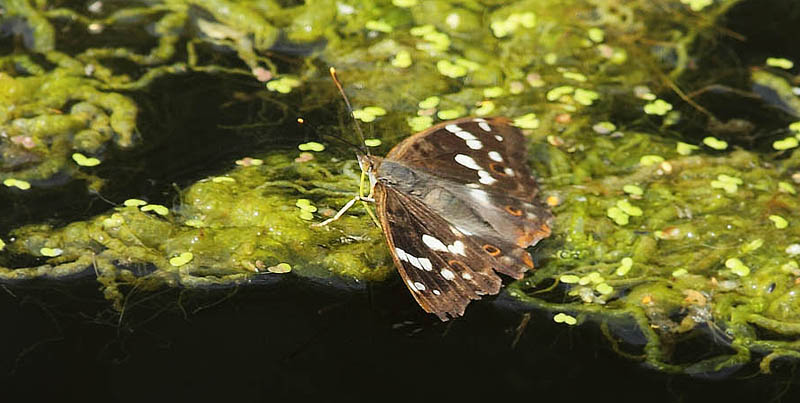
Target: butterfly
<point>457,204</point>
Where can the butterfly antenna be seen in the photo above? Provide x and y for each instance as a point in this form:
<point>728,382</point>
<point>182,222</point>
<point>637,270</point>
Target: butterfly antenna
<point>349,110</point>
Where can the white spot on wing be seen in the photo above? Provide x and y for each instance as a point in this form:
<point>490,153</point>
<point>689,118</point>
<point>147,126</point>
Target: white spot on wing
<point>484,126</point>
<point>495,156</point>
<point>419,286</point>
<point>437,292</point>
<point>473,185</point>
<point>474,144</point>
<point>486,179</point>
<point>414,262</point>
<point>448,275</point>
<point>426,264</point>
<point>452,128</point>
<point>457,248</point>
<point>467,161</point>
<point>411,285</point>
<point>480,195</point>
<point>433,243</point>
<point>479,120</point>
<point>401,254</point>
<point>509,171</point>
<point>498,137</point>
<point>466,276</point>
<point>465,135</point>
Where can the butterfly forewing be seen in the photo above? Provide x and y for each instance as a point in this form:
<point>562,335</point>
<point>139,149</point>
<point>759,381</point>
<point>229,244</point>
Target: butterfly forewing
<point>481,153</point>
<point>443,268</point>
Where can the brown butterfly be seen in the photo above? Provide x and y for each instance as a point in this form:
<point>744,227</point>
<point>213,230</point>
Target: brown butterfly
<point>457,203</point>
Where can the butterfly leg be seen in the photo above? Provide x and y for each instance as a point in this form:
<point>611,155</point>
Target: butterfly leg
<point>344,209</point>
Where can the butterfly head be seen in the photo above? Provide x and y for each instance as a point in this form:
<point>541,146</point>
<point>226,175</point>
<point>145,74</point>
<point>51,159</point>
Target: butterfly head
<point>369,164</point>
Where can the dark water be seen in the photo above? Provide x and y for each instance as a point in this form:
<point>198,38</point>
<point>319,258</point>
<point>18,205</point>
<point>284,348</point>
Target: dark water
<point>63,343</point>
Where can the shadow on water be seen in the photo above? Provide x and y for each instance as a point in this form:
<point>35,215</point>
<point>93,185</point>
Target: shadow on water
<point>297,340</point>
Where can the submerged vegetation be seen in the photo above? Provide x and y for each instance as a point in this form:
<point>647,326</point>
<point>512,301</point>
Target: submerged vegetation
<point>675,222</point>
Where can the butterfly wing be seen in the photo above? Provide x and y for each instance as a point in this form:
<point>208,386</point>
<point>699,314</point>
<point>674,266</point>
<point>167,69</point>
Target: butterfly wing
<point>442,267</point>
<point>484,153</point>
<point>485,163</point>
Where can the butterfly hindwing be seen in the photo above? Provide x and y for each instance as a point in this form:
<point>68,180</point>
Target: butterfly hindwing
<point>443,268</point>
<point>482,153</point>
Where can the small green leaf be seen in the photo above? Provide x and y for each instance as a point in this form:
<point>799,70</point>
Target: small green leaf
<point>564,318</point>
<point>84,161</point>
<point>604,127</point>
<point>785,144</point>
<point>448,69</point>
<point>619,216</point>
<point>429,102</point>
<point>223,179</point>
<point>597,35</point>
<point>402,59</point>
<point>685,148</point>
<point>604,288</point>
<point>658,107</point>
<point>633,190</point>
<point>280,268</point>
<point>404,4</point>
<point>780,222</point>
<point>419,123</point>
<point>780,63</point>
<point>372,142</point>
<point>569,279</point>
<point>181,259</point>
<point>715,143</point>
<point>529,121</point>
<point>17,183</point>
<point>378,25</point>
<point>571,75</point>
<point>629,208</point>
<point>134,203</point>
<point>585,97</point>
<point>311,146</point>
<point>558,92</point>
<point>449,114</point>
<point>156,208</point>
<point>647,160</point>
<point>51,252</point>
<point>737,267</point>
<point>680,272</point>
<point>625,266</point>
<point>492,92</point>
<point>786,187</point>
<point>485,108</point>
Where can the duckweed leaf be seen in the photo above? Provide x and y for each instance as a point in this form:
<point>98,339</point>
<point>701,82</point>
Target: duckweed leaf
<point>564,318</point>
<point>715,143</point>
<point>181,259</point>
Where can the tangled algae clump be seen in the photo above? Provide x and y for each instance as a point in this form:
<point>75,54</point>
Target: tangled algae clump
<point>670,228</point>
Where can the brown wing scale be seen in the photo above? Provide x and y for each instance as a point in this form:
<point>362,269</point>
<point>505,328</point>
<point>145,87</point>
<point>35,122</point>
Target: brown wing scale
<point>456,268</point>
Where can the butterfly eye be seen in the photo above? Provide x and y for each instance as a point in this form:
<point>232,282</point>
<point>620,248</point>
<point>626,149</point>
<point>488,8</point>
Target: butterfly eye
<point>491,249</point>
<point>514,211</point>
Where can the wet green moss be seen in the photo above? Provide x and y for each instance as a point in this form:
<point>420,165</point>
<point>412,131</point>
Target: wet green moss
<point>596,94</point>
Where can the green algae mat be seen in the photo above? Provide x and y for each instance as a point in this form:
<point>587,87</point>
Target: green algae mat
<point>670,161</point>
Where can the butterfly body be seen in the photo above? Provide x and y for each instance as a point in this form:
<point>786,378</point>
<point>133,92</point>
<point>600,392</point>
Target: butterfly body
<point>457,204</point>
